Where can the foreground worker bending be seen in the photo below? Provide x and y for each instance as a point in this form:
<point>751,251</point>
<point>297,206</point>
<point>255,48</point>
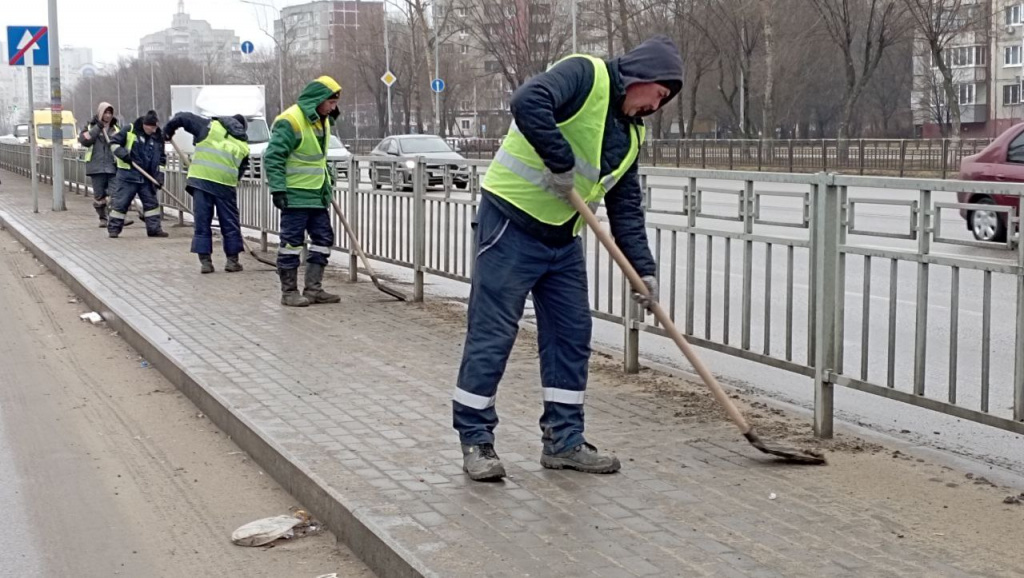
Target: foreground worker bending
<point>302,186</point>
<point>577,125</point>
<point>220,160</point>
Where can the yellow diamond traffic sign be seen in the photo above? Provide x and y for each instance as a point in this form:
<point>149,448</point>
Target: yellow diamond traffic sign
<point>388,78</point>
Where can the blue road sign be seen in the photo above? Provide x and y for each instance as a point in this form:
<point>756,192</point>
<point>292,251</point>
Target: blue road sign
<point>247,47</point>
<point>28,46</point>
<point>437,85</point>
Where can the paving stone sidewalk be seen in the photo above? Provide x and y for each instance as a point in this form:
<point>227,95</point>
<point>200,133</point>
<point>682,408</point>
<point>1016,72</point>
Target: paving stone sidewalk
<point>359,394</point>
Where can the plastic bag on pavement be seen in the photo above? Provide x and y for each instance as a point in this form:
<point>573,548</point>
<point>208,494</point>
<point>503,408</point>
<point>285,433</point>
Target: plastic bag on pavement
<point>265,531</point>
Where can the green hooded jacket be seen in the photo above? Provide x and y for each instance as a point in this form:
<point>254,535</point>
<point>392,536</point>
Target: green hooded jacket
<point>284,140</point>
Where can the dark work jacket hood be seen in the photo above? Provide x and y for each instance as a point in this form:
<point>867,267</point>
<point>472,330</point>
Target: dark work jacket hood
<point>656,60</point>
<point>233,127</point>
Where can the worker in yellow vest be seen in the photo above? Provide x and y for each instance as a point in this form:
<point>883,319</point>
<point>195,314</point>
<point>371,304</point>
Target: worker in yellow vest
<point>301,185</point>
<point>578,125</point>
<point>221,158</point>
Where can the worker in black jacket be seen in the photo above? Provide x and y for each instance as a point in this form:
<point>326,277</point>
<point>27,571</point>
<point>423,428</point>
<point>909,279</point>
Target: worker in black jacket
<point>577,126</point>
<point>141,145</point>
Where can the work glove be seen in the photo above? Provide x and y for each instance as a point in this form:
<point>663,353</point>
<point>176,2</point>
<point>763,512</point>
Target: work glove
<point>159,179</point>
<point>645,301</point>
<point>121,153</point>
<point>168,136</point>
<point>559,185</point>
<point>280,199</point>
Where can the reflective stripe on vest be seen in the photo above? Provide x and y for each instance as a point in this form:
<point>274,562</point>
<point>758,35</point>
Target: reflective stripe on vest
<point>517,172</point>
<point>218,157</point>
<point>129,143</point>
<point>306,167</point>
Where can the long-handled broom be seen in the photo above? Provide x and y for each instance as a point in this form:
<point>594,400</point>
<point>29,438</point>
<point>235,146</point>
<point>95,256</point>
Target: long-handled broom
<point>796,456</point>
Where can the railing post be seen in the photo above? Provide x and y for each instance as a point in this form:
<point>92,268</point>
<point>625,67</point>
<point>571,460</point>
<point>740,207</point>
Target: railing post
<point>903,155</point>
<point>265,202</point>
<point>679,145</point>
<point>945,157</point>
<point>1018,362</point>
<point>862,156</point>
<point>790,155</point>
<point>703,153</point>
<point>352,207</point>
<point>419,229</point>
<point>632,315</point>
<point>924,232</point>
<point>825,252</point>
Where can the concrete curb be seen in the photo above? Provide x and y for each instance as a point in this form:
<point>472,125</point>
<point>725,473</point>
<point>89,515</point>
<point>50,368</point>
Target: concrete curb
<point>369,542</point>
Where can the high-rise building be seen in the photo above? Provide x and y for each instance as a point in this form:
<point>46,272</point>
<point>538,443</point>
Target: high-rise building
<point>985,56</point>
<point>74,64</point>
<point>193,39</point>
<point>318,28</point>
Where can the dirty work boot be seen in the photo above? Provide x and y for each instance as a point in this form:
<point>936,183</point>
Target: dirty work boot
<point>206,264</point>
<point>232,265</point>
<point>290,296</point>
<point>582,458</point>
<point>482,463</point>
<point>314,292</point>
<point>159,234</point>
<point>101,211</point>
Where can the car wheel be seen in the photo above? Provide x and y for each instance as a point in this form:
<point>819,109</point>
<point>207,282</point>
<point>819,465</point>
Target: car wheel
<point>987,225</point>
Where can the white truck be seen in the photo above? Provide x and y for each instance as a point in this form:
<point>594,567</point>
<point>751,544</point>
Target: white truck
<point>212,100</point>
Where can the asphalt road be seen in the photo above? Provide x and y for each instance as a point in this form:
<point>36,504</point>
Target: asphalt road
<point>107,470</point>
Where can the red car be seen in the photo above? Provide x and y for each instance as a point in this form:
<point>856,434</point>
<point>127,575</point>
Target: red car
<point>1001,161</point>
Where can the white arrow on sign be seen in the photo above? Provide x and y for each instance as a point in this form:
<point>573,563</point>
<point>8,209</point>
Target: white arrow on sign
<point>26,39</point>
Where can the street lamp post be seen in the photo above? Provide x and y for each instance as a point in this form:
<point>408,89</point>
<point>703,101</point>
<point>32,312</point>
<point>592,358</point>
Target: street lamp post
<point>387,64</point>
<point>574,26</point>
<point>152,83</point>
<point>437,74</point>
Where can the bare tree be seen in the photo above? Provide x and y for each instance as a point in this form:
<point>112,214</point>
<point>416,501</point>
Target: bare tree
<point>523,37</point>
<point>937,24</point>
<point>862,30</point>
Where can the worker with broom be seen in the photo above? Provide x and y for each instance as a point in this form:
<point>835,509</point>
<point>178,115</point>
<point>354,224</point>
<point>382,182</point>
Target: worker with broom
<point>221,158</point>
<point>138,147</point>
<point>302,188</point>
<point>99,159</point>
<point>578,125</point>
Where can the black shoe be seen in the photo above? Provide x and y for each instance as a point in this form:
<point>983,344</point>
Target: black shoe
<point>582,458</point>
<point>482,463</point>
<point>113,234</point>
<point>103,223</point>
<point>159,234</point>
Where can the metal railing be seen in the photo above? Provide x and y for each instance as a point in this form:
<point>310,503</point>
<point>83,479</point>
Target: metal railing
<point>938,158</point>
<point>807,273</point>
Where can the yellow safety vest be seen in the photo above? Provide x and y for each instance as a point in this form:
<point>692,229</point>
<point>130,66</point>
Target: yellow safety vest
<point>517,172</point>
<point>306,167</point>
<point>218,157</point>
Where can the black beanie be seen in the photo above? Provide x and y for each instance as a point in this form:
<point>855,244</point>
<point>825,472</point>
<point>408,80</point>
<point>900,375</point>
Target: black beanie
<point>151,119</point>
<point>241,120</point>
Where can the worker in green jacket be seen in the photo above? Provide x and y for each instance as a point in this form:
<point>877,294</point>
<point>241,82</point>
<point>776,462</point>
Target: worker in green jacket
<point>301,185</point>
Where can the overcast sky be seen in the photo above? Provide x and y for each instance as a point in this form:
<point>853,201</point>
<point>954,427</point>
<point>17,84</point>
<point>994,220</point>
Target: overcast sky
<point>112,28</point>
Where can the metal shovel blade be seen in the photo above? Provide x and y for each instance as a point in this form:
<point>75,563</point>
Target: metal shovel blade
<point>791,455</point>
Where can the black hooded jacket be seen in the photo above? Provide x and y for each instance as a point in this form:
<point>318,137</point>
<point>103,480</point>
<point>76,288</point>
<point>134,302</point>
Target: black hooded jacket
<point>555,96</point>
<point>199,128</point>
<point>148,152</point>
